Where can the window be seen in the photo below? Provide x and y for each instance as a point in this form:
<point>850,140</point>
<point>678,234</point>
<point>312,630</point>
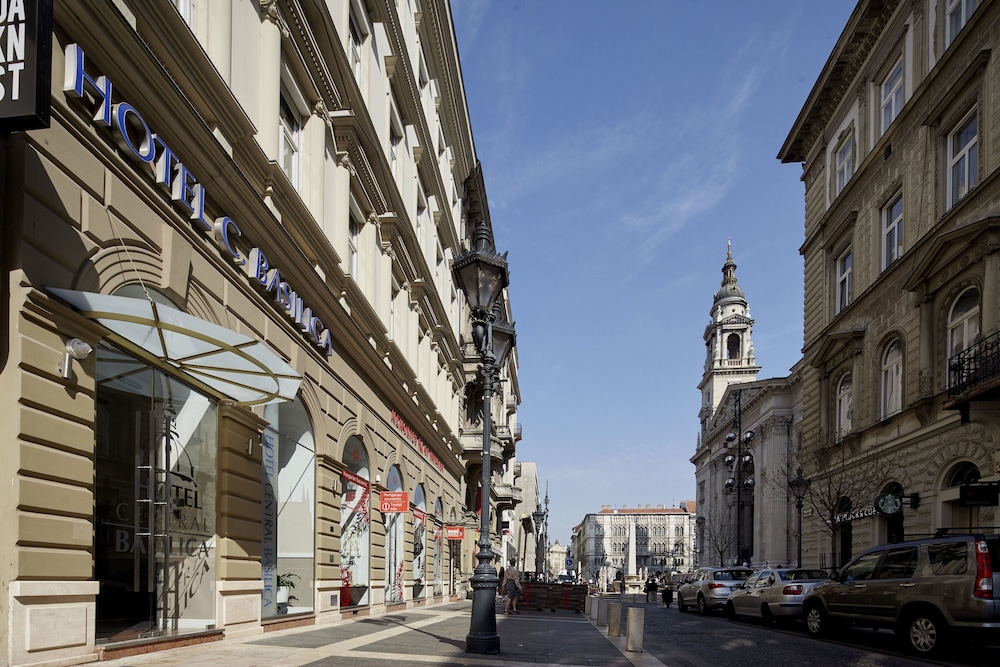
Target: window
<point>843,409</point>
<point>892,231</point>
<point>892,379</point>
<point>354,231</point>
<point>395,138</point>
<point>844,281</point>
<point>958,13</point>
<point>899,564</point>
<point>948,558</point>
<point>844,165</point>
<point>356,41</point>
<point>733,346</point>
<point>963,159</point>
<point>861,569</point>
<point>288,150</point>
<point>892,95</point>
<point>963,322</point>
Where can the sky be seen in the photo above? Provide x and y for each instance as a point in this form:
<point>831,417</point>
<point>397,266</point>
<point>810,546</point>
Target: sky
<point>623,145</point>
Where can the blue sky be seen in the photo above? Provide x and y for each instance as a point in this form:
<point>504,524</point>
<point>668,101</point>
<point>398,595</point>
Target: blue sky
<point>623,144</point>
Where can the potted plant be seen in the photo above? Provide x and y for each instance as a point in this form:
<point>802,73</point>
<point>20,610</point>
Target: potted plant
<point>286,582</point>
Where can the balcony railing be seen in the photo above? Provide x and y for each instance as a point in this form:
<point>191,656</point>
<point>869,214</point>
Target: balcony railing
<point>975,368</point>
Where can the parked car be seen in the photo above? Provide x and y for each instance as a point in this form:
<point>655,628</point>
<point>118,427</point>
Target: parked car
<point>709,587</point>
<point>773,594</point>
<point>925,590</point>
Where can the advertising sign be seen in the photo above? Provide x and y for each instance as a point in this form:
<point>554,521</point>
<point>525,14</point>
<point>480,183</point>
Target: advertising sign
<point>456,532</point>
<point>393,502</point>
<point>25,64</point>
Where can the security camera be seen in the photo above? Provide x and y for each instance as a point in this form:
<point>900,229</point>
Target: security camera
<point>78,349</point>
<point>75,349</point>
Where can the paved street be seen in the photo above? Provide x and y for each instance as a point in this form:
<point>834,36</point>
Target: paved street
<point>436,636</point>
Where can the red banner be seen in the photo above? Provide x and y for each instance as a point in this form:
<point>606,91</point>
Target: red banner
<point>456,532</point>
<point>419,516</point>
<point>355,478</point>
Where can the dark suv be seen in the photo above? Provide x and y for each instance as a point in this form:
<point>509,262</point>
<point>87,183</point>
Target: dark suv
<point>922,589</point>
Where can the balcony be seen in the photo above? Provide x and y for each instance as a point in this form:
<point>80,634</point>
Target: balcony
<point>974,375</point>
<point>472,449</point>
<point>507,495</point>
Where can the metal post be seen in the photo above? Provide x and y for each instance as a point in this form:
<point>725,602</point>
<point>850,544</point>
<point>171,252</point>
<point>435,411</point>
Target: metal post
<point>798,544</point>
<point>483,637</point>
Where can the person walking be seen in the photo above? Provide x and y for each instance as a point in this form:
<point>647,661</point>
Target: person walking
<point>512,584</point>
<point>651,589</point>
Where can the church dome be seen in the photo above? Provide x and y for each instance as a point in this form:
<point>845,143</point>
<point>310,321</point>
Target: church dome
<point>729,289</point>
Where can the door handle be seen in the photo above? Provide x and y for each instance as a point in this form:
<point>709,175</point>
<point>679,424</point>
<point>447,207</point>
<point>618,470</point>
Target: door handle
<point>861,585</point>
<point>909,584</point>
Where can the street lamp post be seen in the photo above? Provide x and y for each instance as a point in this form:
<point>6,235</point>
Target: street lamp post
<point>799,487</point>
<point>481,274</point>
<point>742,461</point>
<point>539,516</point>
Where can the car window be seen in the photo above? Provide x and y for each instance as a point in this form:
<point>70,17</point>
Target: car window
<point>751,581</point>
<point>768,580</point>
<point>802,575</point>
<point>731,575</point>
<point>861,569</point>
<point>948,557</point>
<point>899,563</point>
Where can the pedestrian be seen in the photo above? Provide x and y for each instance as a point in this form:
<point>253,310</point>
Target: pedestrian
<point>651,589</point>
<point>500,590</point>
<point>512,584</point>
<point>667,592</point>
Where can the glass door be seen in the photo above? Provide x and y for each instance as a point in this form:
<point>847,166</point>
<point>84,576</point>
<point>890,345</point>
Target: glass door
<point>154,502</point>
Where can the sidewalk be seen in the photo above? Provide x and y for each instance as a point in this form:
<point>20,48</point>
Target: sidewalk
<point>410,638</point>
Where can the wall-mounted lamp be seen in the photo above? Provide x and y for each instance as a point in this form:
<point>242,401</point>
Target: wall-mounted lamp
<point>914,500</point>
<point>378,479</point>
<point>75,349</point>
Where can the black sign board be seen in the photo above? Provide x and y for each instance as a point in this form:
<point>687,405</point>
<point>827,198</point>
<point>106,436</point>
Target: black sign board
<point>25,64</point>
<point>979,495</point>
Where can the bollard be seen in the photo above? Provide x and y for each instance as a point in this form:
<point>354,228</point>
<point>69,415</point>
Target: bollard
<point>634,628</point>
<point>593,609</point>
<point>615,619</point>
<point>586,604</point>
<point>602,612</point>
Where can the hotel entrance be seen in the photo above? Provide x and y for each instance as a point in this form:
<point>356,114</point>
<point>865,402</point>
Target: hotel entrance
<point>155,502</point>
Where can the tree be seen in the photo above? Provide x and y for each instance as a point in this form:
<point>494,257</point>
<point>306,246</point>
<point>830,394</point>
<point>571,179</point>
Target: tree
<point>719,532</point>
<point>840,477</point>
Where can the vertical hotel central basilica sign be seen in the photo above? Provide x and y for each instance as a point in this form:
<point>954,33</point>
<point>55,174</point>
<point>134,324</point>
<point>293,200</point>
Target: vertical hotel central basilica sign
<point>25,64</point>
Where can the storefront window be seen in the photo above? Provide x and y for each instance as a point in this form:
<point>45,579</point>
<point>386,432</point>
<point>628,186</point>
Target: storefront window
<point>288,458</point>
<point>154,542</point>
<point>355,520</point>
<point>394,541</point>
<point>419,546</point>
<point>438,548</point>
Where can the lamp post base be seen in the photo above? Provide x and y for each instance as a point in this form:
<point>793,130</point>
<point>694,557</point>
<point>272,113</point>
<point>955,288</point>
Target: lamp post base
<point>483,637</point>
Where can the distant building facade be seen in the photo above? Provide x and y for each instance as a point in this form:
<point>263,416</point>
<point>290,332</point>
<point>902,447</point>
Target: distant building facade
<point>902,276</point>
<point>635,540</point>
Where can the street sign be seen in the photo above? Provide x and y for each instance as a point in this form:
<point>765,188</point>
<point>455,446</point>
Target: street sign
<point>391,502</point>
<point>569,563</point>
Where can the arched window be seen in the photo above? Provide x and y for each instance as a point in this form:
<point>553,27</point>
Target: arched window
<point>355,508</point>
<point>419,548</point>
<point>845,533</point>
<point>733,346</point>
<point>843,408</point>
<point>892,379</point>
<point>963,322</point>
<point>438,547</point>
<point>890,504</point>
<point>394,542</point>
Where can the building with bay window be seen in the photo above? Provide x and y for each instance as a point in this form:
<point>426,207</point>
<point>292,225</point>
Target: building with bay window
<point>902,308</point>
<point>235,360</point>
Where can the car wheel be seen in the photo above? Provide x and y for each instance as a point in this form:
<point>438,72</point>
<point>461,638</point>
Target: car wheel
<point>923,632</point>
<point>817,622</point>
<point>731,611</point>
<point>702,604</point>
<point>680,603</point>
<point>766,615</point>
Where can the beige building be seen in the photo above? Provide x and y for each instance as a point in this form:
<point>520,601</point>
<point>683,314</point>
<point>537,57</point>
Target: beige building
<point>234,355</point>
<point>902,268</point>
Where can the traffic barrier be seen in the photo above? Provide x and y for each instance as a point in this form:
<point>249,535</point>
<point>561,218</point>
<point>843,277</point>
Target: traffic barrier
<point>615,619</point>
<point>602,612</point>
<point>634,622</point>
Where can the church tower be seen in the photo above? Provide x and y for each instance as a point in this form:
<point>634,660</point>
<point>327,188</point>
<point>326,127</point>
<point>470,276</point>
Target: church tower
<point>728,346</point>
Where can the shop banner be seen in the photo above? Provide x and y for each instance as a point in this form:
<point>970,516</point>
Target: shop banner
<point>392,502</point>
<point>456,532</point>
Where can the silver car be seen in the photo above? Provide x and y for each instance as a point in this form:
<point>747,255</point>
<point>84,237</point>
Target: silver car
<point>773,594</point>
<point>709,587</point>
